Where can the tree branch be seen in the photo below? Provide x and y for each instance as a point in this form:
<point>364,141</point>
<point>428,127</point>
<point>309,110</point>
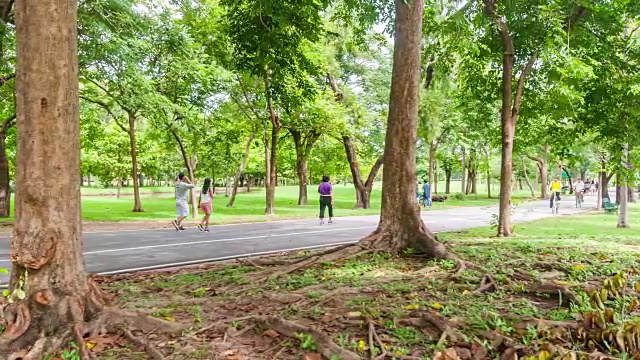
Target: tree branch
<point>374,171</point>
<point>535,158</point>
<point>6,78</point>
<point>125,108</point>
<point>8,123</point>
<point>523,76</point>
<point>106,107</point>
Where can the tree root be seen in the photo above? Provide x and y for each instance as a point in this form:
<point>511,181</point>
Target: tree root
<point>563,293</point>
<point>487,285</point>
<point>426,319</point>
<point>324,343</point>
<point>155,353</point>
<point>374,335</point>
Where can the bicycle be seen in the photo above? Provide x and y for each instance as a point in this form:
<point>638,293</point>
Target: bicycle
<point>579,199</point>
<point>555,204</point>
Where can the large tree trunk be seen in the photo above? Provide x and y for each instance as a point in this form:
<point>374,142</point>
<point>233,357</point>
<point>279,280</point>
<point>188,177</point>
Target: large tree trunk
<point>630,191</point>
<point>273,161</point>
<point>47,229</point>
<point>137,206</point>
<point>400,224</point>
<point>243,163</point>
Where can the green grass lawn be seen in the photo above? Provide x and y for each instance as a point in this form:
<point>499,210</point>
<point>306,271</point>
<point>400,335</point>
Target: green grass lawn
<point>249,206</point>
<point>158,204</point>
<point>585,229</point>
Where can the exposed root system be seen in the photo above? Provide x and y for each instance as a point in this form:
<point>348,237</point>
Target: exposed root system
<point>324,343</point>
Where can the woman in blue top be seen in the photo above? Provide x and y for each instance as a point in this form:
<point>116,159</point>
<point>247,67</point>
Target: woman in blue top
<point>326,198</point>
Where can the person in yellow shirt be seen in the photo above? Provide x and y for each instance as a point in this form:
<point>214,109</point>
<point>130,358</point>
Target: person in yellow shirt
<point>556,187</point>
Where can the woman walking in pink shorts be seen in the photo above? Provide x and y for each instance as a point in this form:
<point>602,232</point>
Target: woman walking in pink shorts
<point>205,202</point>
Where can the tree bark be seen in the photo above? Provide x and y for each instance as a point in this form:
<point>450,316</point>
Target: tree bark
<point>630,191</point>
<point>303,145</point>
<point>5,181</point>
<point>401,226</point>
<point>275,130</point>
<point>47,230</point>
<point>137,206</point>
<point>243,163</point>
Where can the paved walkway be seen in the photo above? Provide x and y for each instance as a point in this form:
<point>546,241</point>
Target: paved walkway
<point>131,250</point>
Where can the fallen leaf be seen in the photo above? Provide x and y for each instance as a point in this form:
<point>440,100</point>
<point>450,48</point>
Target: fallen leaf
<point>436,305</point>
<point>271,333</point>
<point>579,267</point>
<point>354,314</point>
<point>466,292</point>
<point>448,354</point>
<point>170,318</point>
<point>558,282</point>
<point>412,307</point>
<point>312,356</point>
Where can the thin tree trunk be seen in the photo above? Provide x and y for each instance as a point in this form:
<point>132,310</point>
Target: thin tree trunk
<point>542,169</point>
<point>489,183</point>
<point>630,191</point>
<point>618,192</point>
<point>190,164</point>
<point>447,183</point>
<point>509,113</point>
<point>463,166</point>
<point>243,163</point>
<point>623,215</point>
<point>435,180</point>
<point>5,181</point>
<point>400,224</point>
<point>137,207</point>
<point>363,189</point>
<point>303,146</point>
<point>119,190</point>
<point>526,178</point>
<point>273,161</point>
<point>570,180</point>
<point>433,147</point>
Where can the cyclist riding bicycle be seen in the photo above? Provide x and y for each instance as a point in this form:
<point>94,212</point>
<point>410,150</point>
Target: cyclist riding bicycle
<point>578,187</point>
<point>556,188</point>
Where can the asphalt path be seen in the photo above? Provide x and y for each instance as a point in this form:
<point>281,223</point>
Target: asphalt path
<point>134,250</point>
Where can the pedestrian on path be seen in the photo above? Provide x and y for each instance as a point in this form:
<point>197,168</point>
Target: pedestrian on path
<point>205,203</point>
<point>426,194</point>
<point>326,199</point>
<point>183,185</point>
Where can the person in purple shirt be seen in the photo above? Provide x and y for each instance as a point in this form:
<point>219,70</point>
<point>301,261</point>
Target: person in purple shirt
<point>326,198</point>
